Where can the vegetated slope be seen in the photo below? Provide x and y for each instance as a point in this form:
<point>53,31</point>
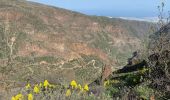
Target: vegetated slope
<point>159,61</point>
<point>44,36</point>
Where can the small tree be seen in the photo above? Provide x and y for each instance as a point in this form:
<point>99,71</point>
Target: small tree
<point>9,40</point>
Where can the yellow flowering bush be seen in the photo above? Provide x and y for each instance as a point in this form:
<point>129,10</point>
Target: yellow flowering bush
<point>40,85</point>
<point>79,87</point>
<point>46,83</point>
<point>13,98</point>
<point>36,89</point>
<point>106,83</point>
<point>143,70</point>
<point>109,82</point>
<point>68,92</point>
<point>18,97</point>
<point>73,84</point>
<point>30,96</point>
<point>28,86</point>
<point>86,87</point>
<point>45,90</point>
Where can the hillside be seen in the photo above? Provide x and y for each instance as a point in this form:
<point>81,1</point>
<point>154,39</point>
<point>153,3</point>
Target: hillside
<point>46,42</point>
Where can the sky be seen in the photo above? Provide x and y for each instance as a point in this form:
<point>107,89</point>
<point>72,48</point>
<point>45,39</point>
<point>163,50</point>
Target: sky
<point>111,8</point>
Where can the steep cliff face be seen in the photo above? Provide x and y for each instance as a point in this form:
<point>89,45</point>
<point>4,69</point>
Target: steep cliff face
<point>44,35</point>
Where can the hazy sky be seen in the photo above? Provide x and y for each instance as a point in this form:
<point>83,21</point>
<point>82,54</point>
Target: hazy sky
<point>114,8</point>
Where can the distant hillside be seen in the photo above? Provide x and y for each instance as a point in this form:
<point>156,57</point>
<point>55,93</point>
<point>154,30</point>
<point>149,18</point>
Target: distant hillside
<point>41,34</point>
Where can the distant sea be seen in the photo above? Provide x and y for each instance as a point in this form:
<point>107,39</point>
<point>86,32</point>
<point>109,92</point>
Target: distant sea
<point>148,19</point>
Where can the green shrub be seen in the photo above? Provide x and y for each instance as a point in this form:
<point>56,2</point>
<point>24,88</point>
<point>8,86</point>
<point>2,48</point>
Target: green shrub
<point>144,92</point>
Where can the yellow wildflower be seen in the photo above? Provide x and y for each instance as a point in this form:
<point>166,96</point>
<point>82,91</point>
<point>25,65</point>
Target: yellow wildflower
<point>40,85</point>
<point>86,87</point>
<point>79,87</point>
<point>73,84</point>
<point>106,83</point>
<point>19,97</point>
<point>68,92</point>
<point>143,70</point>
<point>115,81</point>
<point>46,84</point>
<point>36,89</point>
<point>13,98</point>
<point>28,86</point>
<point>30,96</point>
